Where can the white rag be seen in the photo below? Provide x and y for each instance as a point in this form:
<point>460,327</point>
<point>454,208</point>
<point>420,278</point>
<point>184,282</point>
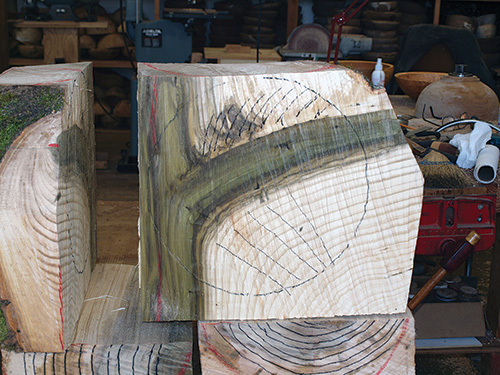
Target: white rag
<point>471,143</point>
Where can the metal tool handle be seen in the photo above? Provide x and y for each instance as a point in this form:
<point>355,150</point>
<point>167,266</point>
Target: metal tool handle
<point>426,289</point>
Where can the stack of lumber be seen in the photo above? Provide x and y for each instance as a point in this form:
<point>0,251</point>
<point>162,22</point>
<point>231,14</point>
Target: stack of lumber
<point>283,193</point>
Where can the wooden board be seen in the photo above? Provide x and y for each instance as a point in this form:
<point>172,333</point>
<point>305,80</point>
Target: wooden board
<point>111,337</point>
<point>60,24</point>
<point>117,236</point>
<point>60,45</point>
<point>47,212</point>
<point>111,313</point>
<point>244,55</point>
<point>449,319</point>
<point>279,190</point>
<point>382,344</point>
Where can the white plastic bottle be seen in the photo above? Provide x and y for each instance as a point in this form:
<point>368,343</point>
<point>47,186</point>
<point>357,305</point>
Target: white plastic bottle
<point>378,75</point>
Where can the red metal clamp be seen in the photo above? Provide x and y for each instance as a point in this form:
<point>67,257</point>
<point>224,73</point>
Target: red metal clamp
<point>341,19</point>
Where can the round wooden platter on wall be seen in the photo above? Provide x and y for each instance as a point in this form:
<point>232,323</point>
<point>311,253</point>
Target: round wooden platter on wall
<point>309,38</point>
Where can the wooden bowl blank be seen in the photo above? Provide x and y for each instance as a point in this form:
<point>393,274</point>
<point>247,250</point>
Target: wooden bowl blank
<point>381,16</point>
<point>110,28</point>
<point>461,21</point>
<point>379,25</point>
<point>367,67</point>
<point>113,40</point>
<point>412,83</point>
<point>30,52</point>
<point>380,34</point>
<point>28,35</point>
<point>87,42</point>
<point>486,31</point>
<point>383,6</point>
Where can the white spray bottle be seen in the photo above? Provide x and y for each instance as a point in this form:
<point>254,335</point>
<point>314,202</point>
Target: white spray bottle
<point>378,75</point>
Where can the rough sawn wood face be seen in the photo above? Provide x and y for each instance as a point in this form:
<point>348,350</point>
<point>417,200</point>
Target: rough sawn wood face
<point>269,191</point>
<point>377,344</point>
<point>47,212</point>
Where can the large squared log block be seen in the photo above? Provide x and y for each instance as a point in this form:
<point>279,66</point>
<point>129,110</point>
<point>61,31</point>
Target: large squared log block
<point>111,337</point>
<point>377,344</point>
<point>85,359</point>
<point>47,213</point>
<point>278,190</point>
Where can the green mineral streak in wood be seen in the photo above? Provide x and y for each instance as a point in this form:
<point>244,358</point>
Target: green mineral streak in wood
<point>244,172</point>
<point>23,105</point>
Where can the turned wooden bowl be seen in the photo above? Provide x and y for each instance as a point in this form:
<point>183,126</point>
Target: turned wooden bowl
<point>367,67</point>
<point>412,83</point>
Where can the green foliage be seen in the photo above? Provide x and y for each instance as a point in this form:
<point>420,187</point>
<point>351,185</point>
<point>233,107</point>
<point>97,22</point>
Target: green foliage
<point>22,106</point>
<point>3,328</point>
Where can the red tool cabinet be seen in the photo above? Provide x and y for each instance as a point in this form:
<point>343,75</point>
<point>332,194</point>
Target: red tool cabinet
<point>447,219</point>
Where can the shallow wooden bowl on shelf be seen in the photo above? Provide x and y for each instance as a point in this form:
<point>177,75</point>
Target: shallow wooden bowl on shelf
<point>367,67</point>
<point>412,83</point>
<point>30,52</point>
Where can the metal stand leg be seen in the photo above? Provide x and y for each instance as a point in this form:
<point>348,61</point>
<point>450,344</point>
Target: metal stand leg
<point>468,266</point>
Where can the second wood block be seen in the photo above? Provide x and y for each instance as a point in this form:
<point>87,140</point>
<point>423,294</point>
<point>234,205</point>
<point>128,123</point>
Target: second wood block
<point>272,191</point>
<point>378,344</point>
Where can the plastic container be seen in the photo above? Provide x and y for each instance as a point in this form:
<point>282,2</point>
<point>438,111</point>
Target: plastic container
<point>378,75</point>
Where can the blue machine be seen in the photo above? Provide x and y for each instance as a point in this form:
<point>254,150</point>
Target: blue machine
<point>163,41</point>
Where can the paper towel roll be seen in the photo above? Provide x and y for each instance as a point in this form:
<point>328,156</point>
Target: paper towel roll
<point>485,170</point>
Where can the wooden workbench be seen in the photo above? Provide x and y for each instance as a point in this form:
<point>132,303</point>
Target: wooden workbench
<point>236,54</point>
<point>60,38</point>
<point>405,107</point>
